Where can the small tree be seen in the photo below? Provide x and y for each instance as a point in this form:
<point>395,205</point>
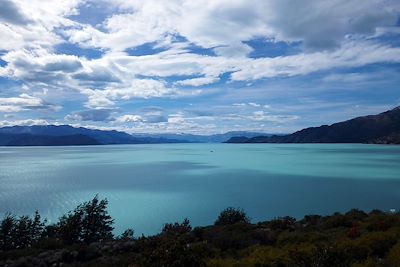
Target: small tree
<point>231,216</point>
<point>22,233</point>
<point>7,228</point>
<point>37,227</point>
<point>89,222</point>
<point>96,223</point>
<point>69,227</point>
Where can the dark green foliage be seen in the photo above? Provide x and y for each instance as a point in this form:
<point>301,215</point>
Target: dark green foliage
<point>282,223</point>
<point>231,216</point>
<point>7,232</point>
<point>22,232</point>
<point>337,220</point>
<point>127,235</point>
<point>177,228</point>
<point>311,220</point>
<point>356,215</point>
<point>69,227</point>
<point>89,222</point>
<point>96,222</point>
<point>232,236</point>
<point>353,239</point>
<point>37,227</point>
<point>174,247</point>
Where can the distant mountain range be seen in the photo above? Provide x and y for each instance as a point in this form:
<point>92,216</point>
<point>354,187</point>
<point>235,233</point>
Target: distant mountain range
<point>52,135</point>
<point>213,138</point>
<point>383,128</point>
<point>48,135</point>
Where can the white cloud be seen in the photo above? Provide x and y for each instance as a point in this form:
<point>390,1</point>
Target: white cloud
<point>28,122</point>
<point>210,24</point>
<point>137,88</point>
<point>129,118</point>
<point>197,81</point>
<point>31,24</point>
<point>40,66</point>
<point>102,115</point>
<point>23,102</point>
<point>262,116</point>
<point>239,104</point>
<point>352,54</point>
<point>255,105</point>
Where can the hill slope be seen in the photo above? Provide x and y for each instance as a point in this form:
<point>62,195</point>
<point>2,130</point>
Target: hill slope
<point>383,128</point>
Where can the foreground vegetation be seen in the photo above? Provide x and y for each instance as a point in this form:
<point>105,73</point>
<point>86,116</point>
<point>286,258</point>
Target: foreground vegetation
<point>83,237</point>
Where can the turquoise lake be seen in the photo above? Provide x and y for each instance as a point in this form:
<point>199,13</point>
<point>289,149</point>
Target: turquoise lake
<point>149,185</point>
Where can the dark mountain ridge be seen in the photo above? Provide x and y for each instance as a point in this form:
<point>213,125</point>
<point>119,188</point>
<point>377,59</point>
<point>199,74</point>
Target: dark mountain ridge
<point>45,140</point>
<point>51,135</point>
<point>383,128</point>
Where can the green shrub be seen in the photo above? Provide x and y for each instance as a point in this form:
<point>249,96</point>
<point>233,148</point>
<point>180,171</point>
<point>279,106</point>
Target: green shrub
<point>231,216</point>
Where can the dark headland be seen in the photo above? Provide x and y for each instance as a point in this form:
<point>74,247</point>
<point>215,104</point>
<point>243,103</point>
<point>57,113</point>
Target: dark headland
<point>383,128</point>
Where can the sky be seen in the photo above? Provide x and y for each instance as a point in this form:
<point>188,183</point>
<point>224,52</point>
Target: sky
<point>197,66</point>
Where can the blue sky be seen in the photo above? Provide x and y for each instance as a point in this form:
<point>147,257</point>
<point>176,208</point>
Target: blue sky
<point>197,66</point>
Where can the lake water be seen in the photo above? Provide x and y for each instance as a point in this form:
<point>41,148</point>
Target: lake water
<point>149,185</point>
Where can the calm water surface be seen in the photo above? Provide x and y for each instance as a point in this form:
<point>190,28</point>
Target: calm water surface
<point>148,185</point>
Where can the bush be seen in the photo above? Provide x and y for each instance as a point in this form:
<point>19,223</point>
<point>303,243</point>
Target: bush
<point>231,216</point>
<point>311,220</point>
<point>356,215</point>
<point>282,223</point>
<point>337,220</point>
<point>177,228</point>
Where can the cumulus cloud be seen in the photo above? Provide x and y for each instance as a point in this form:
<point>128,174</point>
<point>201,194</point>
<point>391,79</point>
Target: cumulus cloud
<point>352,54</point>
<point>32,24</point>
<point>255,105</point>
<point>96,74</point>
<point>10,13</point>
<point>211,24</point>
<point>129,118</point>
<point>324,25</point>
<point>145,118</point>
<point>40,66</point>
<point>138,88</point>
<point>91,115</point>
<point>197,81</point>
<point>24,102</point>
